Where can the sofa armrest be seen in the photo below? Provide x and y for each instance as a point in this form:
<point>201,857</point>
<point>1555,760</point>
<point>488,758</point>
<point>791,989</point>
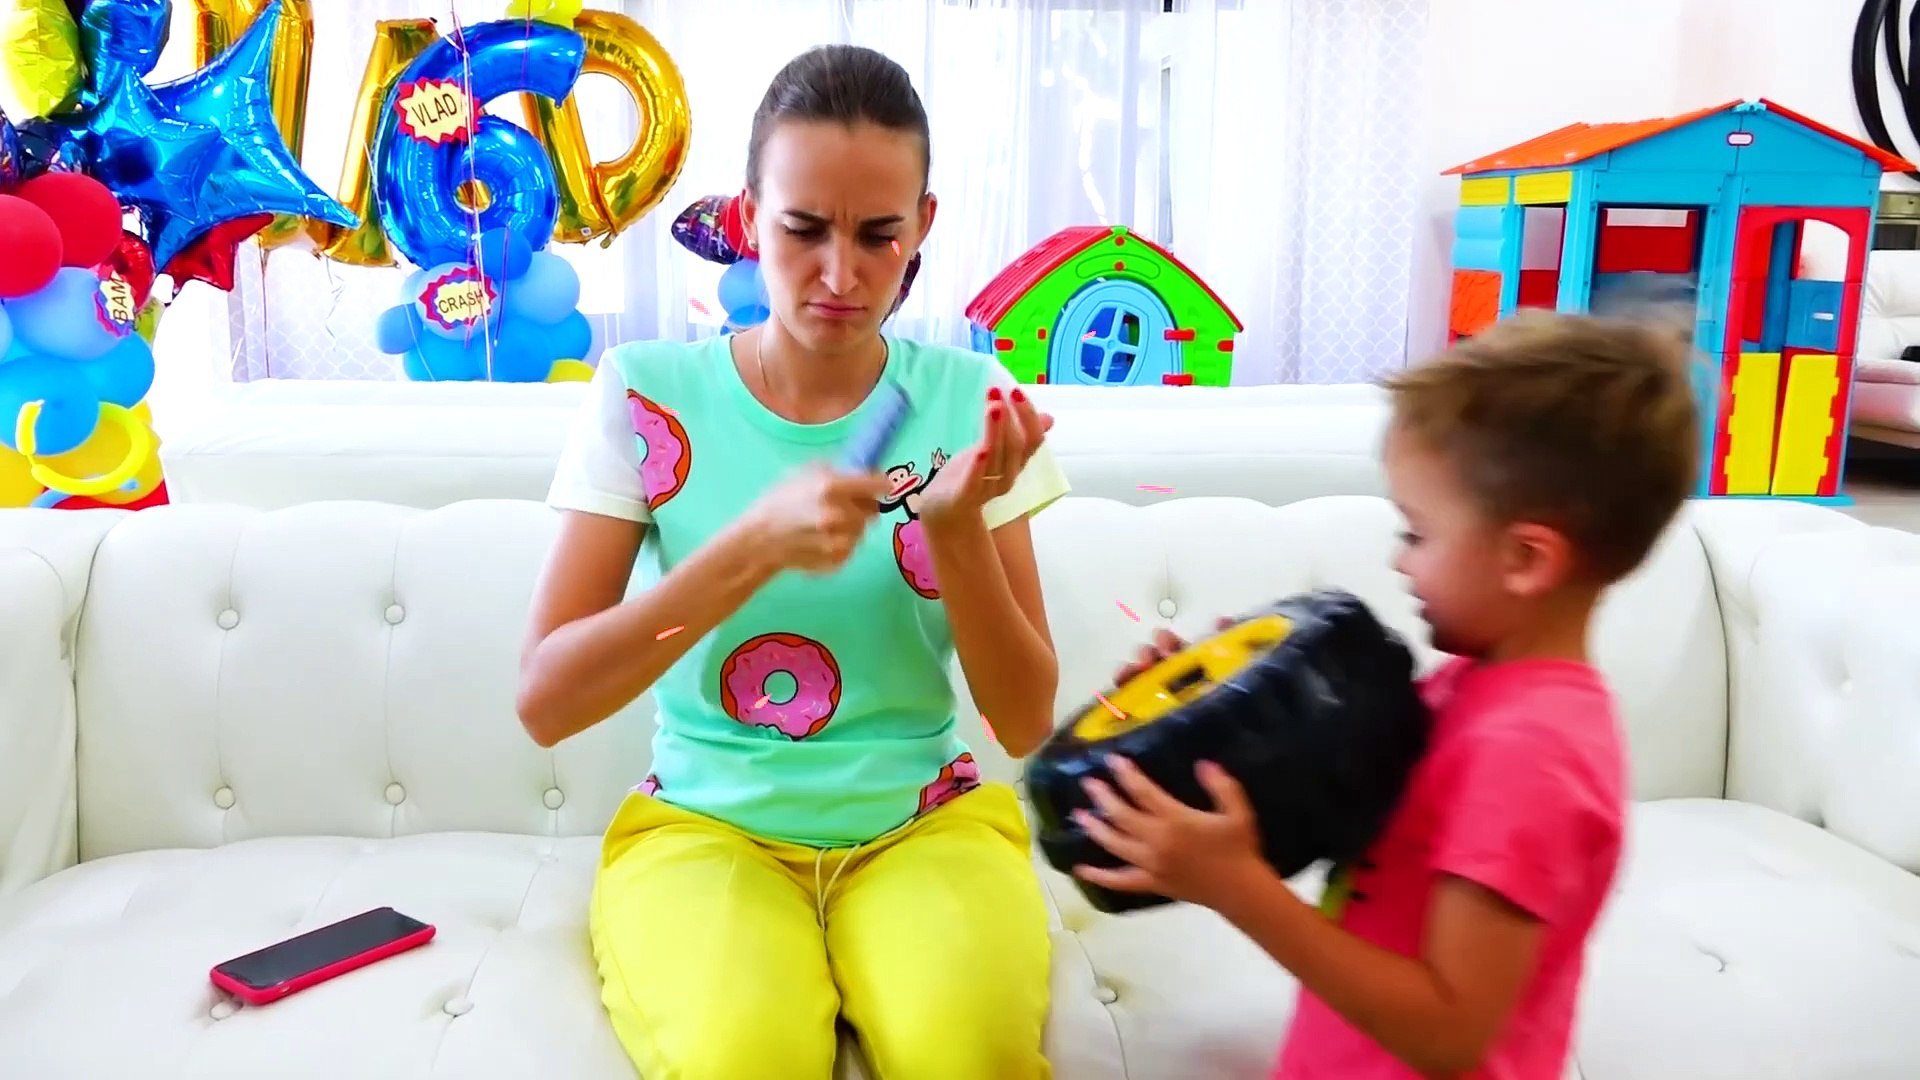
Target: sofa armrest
<point>38,781</point>
<point>1822,622</point>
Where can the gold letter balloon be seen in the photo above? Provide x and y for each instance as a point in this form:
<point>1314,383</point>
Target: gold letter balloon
<point>601,199</point>
<point>395,44</point>
<point>216,24</point>
<point>40,68</point>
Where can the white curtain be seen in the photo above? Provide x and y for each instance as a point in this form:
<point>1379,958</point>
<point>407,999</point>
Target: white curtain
<point>1269,143</point>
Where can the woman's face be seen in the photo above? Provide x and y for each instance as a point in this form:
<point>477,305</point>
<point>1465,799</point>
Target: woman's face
<point>839,213</point>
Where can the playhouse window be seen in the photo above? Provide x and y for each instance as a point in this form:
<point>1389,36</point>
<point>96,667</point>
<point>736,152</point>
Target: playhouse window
<point>1646,255</point>
<point>1542,239</point>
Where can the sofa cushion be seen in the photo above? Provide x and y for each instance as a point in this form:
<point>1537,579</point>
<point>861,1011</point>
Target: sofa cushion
<point>1797,950</point>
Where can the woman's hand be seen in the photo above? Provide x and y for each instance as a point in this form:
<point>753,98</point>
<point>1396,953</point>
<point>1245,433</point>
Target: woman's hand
<point>987,470</point>
<point>814,519</point>
<point>1172,849</point>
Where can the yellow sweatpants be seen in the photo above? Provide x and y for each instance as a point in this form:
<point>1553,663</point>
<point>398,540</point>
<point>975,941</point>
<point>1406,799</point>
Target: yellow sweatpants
<point>723,956</point>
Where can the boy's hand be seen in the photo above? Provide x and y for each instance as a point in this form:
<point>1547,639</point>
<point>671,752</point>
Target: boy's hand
<point>1175,850</point>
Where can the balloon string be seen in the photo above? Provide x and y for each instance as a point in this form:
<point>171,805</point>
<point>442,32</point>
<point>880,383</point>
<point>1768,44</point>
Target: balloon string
<point>473,181</point>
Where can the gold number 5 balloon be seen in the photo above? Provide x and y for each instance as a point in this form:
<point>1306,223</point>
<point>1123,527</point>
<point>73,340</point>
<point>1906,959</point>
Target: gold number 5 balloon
<point>600,199</point>
<point>216,24</point>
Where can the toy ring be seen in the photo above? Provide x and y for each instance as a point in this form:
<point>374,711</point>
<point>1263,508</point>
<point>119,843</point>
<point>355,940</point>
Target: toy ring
<point>139,451</point>
<point>1309,703</point>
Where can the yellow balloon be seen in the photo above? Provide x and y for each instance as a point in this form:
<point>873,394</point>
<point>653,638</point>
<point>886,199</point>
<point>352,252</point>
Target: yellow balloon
<point>562,12</point>
<point>17,486</point>
<point>395,44</point>
<point>136,446</point>
<point>40,66</point>
<point>600,199</point>
<point>216,24</point>
<point>570,371</point>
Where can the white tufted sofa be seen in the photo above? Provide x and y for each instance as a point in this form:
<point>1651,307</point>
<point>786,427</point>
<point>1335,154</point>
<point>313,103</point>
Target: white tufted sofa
<point>280,442</point>
<point>221,726</point>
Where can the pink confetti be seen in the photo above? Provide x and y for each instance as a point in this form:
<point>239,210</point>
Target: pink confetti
<point>1157,489</point>
<point>762,703</point>
<point>896,247</point>
<point>694,303</point>
<point>1127,611</point>
<point>1111,707</point>
<point>1088,336</point>
<point>668,632</point>
<point>989,726</point>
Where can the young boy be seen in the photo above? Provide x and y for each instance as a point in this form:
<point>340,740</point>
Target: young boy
<point>1535,465</point>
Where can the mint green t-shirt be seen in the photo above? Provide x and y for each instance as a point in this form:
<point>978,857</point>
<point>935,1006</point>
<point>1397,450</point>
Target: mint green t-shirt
<point>820,712</point>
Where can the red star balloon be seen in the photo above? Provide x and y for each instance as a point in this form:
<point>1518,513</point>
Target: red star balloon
<point>209,257</point>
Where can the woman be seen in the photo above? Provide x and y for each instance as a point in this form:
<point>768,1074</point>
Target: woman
<point>814,842</point>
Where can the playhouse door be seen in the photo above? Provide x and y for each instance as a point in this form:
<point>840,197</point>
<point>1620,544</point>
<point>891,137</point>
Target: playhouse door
<point>1787,366</point>
<point>1113,333</point>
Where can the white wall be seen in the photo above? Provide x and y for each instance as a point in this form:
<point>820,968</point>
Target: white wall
<point>1500,71</point>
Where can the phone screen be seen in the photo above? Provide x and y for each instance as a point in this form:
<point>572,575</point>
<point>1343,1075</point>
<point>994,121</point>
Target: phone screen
<point>320,948</point>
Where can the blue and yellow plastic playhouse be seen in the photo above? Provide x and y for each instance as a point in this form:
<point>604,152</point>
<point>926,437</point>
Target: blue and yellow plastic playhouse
<point>1715,206</point>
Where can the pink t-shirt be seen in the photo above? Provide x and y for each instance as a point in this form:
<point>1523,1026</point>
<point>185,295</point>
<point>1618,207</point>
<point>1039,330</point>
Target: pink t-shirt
<point>1523,791</point>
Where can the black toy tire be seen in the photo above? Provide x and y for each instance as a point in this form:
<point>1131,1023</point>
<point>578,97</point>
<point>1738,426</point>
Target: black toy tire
<point>1322,731</point>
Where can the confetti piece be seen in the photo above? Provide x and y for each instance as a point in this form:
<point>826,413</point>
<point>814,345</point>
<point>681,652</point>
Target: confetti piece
<point>762,703</point>
<point>668,632</point>
<point>985,723</point>
<point>694,303</point>
<point>1088,336</point>
<point>1159,489</point>
<point>1111,707</point>
<point>1127,611</point>
<point>896,246</point>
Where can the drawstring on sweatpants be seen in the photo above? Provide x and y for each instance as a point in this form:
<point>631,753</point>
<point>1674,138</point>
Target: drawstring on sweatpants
<point>819,891</point>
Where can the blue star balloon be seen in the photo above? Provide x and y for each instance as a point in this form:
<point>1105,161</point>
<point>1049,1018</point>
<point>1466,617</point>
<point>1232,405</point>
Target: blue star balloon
<point>191,154</point>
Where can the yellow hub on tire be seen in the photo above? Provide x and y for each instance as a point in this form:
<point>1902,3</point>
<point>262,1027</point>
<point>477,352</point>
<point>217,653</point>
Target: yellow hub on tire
<point>1181,678</point>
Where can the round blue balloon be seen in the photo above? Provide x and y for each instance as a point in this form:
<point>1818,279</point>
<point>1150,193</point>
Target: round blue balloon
<point>437,359</point>
<point>6,332</point>
<point>549,290</point>
<point>69,409</point>
<point>743,293</point>
<point>397,329</point>
<point>573,338</point>
<point>62,319</point>
<point>124,375</point>
<point>503,254</point>
<point>524,353</point>
<point>417,179</point>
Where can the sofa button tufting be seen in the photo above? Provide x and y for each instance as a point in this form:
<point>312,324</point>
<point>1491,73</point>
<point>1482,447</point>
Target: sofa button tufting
<point>221,1010</point>
<point>395,613</point>
<point>396,794</point>
<point>223,798</point>
<point>553,798</point>
<point>459,1006</point>
<point>1167,608</point>
<point>228,619</point>
<point>1105,993</point>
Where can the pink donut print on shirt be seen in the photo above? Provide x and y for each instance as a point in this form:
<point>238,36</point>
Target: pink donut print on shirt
<point>669,454</point>
<point>957,777</point>
<point>783,681</point>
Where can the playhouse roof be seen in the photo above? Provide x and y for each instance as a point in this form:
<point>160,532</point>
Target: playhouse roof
<point>1023,273</point>
<point>1580,142</point>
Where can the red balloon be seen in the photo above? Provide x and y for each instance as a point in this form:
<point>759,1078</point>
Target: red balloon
<point>86,213</point>
<point>210,257</point>
<point>132,259</point>
<point>31,242</point>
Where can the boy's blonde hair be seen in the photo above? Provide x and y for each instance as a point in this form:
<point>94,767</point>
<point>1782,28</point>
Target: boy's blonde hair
<point>1584,424</point>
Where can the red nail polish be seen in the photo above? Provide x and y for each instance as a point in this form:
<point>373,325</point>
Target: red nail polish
<point>1018,395</point>
<point>993,394</point>
<point>993,414</point>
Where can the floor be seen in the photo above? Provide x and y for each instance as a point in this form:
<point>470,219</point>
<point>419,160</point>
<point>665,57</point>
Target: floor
<point>1885,486</point>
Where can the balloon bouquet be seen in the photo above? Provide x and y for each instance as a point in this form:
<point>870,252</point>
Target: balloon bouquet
<point>473,199</point>
<point>106,184</point>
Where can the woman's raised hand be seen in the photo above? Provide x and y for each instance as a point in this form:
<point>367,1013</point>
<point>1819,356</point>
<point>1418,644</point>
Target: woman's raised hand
<point>813,520</point>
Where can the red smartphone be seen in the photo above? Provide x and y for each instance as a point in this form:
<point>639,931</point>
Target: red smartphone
<point>292,965</point>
